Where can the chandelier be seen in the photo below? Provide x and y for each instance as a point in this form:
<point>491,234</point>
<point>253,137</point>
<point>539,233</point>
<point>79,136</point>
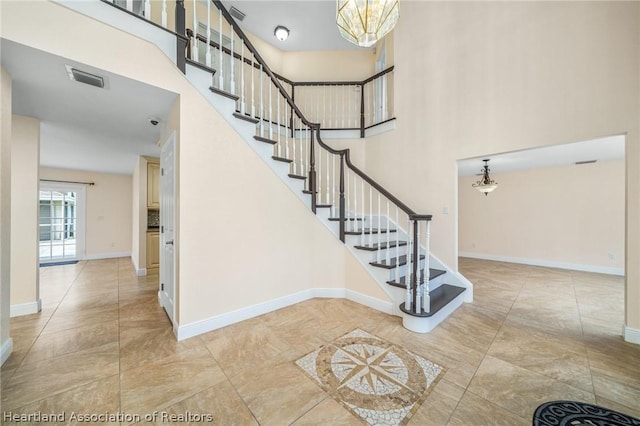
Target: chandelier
<point>486,184</point>
<point>364,22</point>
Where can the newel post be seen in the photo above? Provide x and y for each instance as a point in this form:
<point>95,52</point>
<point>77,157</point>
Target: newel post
<point>362,110</point>
<point>342,200</point>
<point>181,39</point>
<point>312,170</point>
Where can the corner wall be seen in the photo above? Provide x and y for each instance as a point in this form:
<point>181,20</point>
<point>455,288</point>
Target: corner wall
<point>25,160</point>
<point>569,217</point>
<point>6,344</point>
<point>491,77</point>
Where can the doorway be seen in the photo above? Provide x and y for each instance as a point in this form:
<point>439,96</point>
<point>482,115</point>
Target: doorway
<point>61,222</point>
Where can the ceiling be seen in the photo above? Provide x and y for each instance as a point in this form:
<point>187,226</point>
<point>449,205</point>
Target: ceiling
<point>85,127</point>
<point>311,23</point>
<point>602,149</point>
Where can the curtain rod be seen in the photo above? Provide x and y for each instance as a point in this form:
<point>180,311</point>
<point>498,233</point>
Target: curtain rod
<point>67,181</point>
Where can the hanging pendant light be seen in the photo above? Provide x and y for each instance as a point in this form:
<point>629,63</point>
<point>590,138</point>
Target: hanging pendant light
<point>364,22</point>
<point>486,184</point>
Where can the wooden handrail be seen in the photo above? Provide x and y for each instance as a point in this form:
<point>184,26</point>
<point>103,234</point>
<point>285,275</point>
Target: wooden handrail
<point>316,126</point>
<point>258,58</point>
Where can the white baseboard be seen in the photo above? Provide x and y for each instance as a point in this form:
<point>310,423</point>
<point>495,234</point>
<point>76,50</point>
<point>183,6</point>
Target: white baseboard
<point>141,272</point>
<point>200,327</point>
<point>5,350</point>
<point>631,335</point>
<point>113,255</point>
<point>29,308</point>
<point>546,263</point>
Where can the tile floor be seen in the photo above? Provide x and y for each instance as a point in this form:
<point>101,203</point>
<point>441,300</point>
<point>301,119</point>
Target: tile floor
<point>102,345</point>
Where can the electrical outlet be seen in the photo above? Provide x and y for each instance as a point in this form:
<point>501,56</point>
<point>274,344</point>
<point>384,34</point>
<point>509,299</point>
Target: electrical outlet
<point>445,210</point>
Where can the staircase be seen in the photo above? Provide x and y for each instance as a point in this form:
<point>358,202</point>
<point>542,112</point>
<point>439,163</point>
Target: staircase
<point>388,238</point>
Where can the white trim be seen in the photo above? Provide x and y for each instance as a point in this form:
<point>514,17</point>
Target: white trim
<point>631,335</point>
<point>5,351</point>
<point>29,308</point>
<point>376,129</point>
<point>141,272</point>
<point>200,327</point>
<point>546,263</point>
<point>113,255</point>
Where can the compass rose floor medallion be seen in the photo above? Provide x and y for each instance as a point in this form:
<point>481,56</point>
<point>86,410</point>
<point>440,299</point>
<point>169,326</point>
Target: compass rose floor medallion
<point>379,382</point>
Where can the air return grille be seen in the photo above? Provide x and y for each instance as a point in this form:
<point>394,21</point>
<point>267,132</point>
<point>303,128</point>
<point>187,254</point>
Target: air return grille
<point>85,77</point>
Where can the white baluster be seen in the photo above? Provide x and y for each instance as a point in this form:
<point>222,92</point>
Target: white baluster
<point>253,90</point>
<point>388,235</point>
<point>207,58</point>
<point>407,276</point>
<point>349,107</point>
<point>364,211</point>
<point>196,42</point>
<point>328,183</point>
<point>317,115</point>
<point>164,13</point>
<point>396,276</point>
<point>324,106</point>
<point>426,297</point>
<point>261,106</point>
<point>270,110</point>
<point>344,104</point>
<point>243,97</point>
<point>220,53</point>
<point>330,110</point>
<point>371,219</point>
<point>129,5</point>
<point>333,188</point>
<point>277,123</point>
<point>286,133</point>
<point>147,9</point>
<point>417,262</point>
<point>347,214</point>
<point>232,84</point>
<point>294,149</point>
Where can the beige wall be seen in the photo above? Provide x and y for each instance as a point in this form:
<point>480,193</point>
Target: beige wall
<point>108,210</point>
<point>572,216</point>
<point>330,65</point>
<point>491,77</point>
<point>25,160</point>
<point>138,216</point>
<point>247,244</point>
<point>5,212</point>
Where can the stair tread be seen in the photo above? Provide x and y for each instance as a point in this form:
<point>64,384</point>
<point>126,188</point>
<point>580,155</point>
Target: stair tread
<point>402,260</point>
<point>246,117</point>
<point>323,206</point>
<point>433,274</point>
<point>306,191</point>
<point>379,246</point>
<point>337,219</point>
<point>199,65</point>
<point>368,231</point>
<point>439,297</point>
<point>265,140</point>
<point>284,160</point>
<point>223,93</point>
<point>291,175</point>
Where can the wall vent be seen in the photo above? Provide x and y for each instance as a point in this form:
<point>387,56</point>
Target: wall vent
<point>236,13</point>
<point>85,77</point>
<point>585,162</point>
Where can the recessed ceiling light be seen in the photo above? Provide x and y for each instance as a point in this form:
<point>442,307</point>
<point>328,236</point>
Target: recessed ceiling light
<point>281,33</point>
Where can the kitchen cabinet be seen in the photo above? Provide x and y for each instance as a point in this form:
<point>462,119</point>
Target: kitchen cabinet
<point>153,185</point>
<point>153,249</point>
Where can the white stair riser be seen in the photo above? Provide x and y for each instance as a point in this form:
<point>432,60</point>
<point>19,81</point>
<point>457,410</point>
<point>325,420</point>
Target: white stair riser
<point>425,325</point>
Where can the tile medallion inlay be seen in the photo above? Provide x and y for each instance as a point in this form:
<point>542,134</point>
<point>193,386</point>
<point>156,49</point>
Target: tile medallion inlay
<point>377,381</point>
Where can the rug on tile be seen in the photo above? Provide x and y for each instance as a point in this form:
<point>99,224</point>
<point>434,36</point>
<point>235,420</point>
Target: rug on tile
<point>574,413</point>
<point>379,382</point>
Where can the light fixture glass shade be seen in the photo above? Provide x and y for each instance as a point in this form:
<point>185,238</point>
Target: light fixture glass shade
<point>364,22</point>
<point>281,33</point>
<point>486,184</point>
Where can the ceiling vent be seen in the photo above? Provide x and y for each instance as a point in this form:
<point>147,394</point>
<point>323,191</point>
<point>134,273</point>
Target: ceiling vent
<point>585,162</point>
<point>85,77</point>
<point>236,13</point>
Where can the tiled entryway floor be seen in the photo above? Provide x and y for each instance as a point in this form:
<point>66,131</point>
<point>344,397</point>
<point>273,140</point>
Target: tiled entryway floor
<point>102,344</point>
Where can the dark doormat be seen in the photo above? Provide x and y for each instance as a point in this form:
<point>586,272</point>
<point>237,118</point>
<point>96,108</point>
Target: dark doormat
<point>573,413</point>
<point>65,262</point>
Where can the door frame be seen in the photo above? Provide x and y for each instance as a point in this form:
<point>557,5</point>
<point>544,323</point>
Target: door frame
<point>170,143</point>
<point>81,215</point>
